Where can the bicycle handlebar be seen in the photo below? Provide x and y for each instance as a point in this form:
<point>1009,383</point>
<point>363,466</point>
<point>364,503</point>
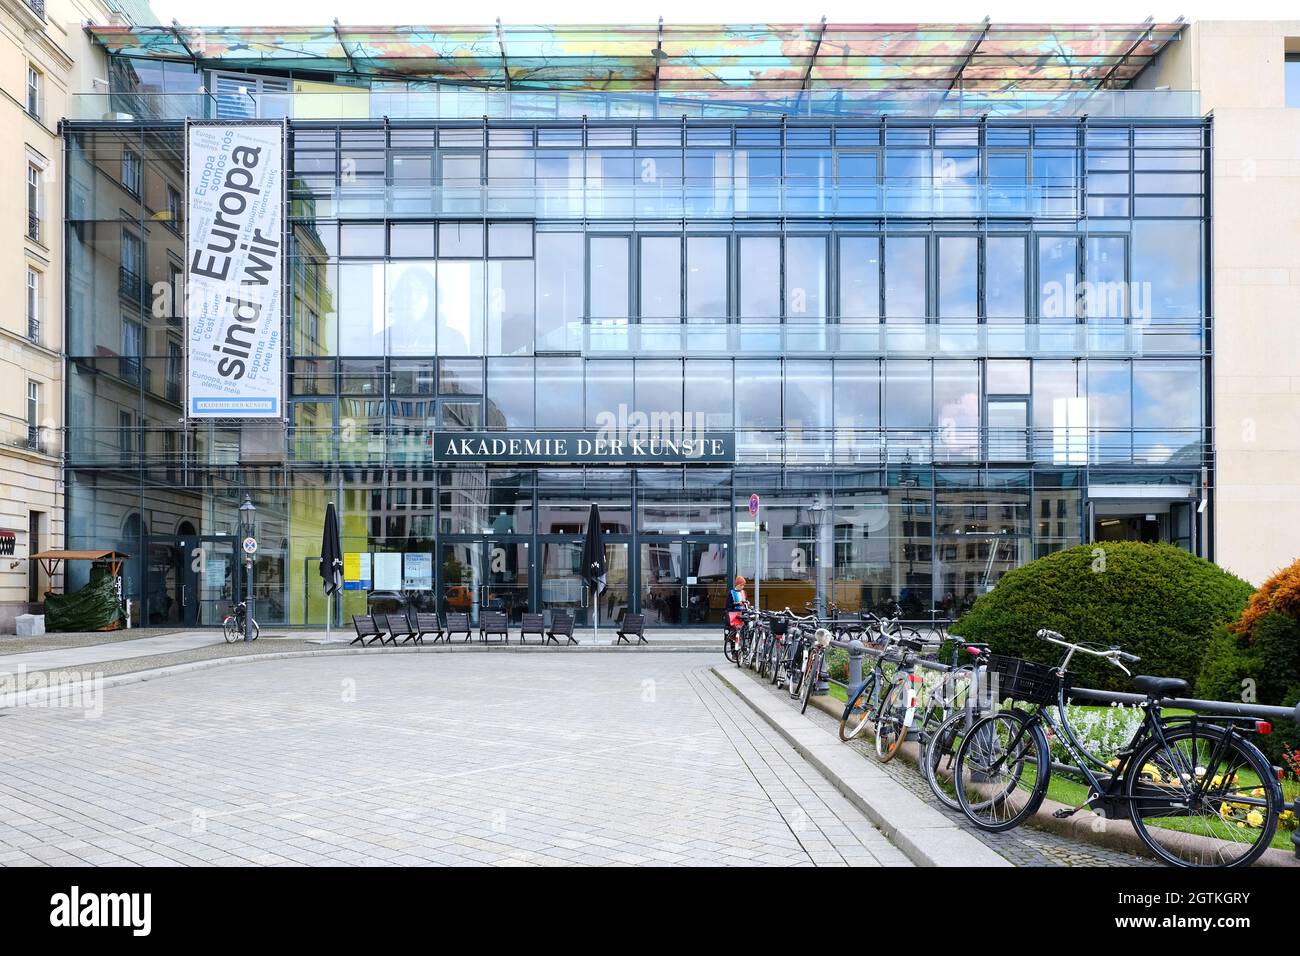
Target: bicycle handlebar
<point>1112,654</point>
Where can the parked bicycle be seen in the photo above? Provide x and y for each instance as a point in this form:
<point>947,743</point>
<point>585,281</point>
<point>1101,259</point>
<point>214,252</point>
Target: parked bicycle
<point>884,696</point>
<point>233,624</point>
<point>1197,793</point>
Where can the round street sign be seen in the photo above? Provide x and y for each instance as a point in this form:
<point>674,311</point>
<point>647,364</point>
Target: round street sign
<point>753,505</point>
<point>250,545</point>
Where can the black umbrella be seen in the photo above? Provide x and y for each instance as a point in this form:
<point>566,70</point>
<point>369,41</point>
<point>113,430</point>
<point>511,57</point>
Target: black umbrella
<point>331,562</point>
<point>594,568</point>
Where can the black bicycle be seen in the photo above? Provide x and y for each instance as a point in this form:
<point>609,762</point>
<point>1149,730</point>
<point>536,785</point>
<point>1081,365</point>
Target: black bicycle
<point>232,626</point>
<point>1197,793</point>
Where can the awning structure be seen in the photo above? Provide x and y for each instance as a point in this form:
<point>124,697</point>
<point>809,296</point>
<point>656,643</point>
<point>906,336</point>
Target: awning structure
<point>50,560</point>
<point>970,56</point>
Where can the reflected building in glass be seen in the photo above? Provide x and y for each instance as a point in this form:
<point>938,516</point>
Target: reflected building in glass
<point>939,326</point>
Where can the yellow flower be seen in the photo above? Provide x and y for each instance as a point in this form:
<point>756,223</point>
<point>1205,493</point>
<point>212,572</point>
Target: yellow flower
<point>1255,818</point>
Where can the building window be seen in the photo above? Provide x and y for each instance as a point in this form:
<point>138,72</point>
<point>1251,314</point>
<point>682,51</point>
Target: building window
<point>34,416</point>
<point>174,364</point>
<point>131,169</point>
<point>173,209</point>
<point>34,305</point>
<point>132,335</point>
<point>1292,67</point>
<point>126,436</point>
<point>33,202</point>
<point>33,92</point>
<point>131,271</point>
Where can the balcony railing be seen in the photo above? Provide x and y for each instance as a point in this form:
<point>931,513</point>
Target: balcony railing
<point>455,102</point>
<point>33,227</point>
<point>33,330</point>
<point>845,336</point>
<point>36,439</point>
<point>130,283</point>
<point>37,7</point>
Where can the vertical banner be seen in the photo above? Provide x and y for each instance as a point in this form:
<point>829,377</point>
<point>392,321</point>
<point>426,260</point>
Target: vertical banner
<point>234,194</point>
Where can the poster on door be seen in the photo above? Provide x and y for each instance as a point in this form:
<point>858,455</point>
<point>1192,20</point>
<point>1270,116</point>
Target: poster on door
<point>234,237</point>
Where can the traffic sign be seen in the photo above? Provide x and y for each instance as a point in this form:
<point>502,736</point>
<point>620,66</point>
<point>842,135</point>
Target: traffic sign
<point>250,545</point>
<point>753,505</point>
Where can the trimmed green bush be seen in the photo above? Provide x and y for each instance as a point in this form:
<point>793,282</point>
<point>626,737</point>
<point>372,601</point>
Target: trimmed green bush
<point>1153,600</point>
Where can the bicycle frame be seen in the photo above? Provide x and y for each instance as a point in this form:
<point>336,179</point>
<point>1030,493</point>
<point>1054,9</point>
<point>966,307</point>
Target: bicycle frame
<point>1108,797</point>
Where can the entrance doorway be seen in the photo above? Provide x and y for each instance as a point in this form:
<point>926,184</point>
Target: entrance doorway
<point>491,574</point>
<point>1153,522</point>
<point>684,581</point>
<point>190,581</point>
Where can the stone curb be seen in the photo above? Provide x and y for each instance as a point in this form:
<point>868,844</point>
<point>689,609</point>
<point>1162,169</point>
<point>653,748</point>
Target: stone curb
<point>45,695</point>
<point>1083,827</point>
<point>922,833</point>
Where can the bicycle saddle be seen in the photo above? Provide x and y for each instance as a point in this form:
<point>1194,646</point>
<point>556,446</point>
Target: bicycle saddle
<point>1160,687</point>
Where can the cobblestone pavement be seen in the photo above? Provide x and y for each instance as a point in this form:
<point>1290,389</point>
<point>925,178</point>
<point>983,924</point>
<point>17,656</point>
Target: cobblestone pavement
<point>1024,846</point>
<point>509,759</point>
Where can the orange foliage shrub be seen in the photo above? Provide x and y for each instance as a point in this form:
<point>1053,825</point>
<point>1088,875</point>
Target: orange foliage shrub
<point>1279,593</point>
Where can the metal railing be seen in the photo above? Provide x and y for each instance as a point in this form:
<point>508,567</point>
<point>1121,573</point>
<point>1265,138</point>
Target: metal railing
<point>34,330</point>
<point>381,445</point>
<point>33,227</point>
<point>37,7</point>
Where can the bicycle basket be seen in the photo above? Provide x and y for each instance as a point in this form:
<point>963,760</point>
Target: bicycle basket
<point>1023,680</point>
<point>778,625</point>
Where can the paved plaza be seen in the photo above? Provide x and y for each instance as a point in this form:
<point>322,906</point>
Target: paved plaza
<point>501,759</point>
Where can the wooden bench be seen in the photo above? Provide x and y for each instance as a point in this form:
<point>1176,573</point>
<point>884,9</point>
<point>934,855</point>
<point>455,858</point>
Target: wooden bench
<point>633,626</point>
<point>532,624</point>
<point>366,628</point>
<point>491,623</point>
<point>425,625</point>
<point>457,623</point>
<point>561,626</point>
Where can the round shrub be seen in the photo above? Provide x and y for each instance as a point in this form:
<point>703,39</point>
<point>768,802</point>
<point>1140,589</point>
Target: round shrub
<point>1153,600</point>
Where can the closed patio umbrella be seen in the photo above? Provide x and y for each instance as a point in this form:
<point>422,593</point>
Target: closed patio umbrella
<point>594,568</point>
<point>331,563</point>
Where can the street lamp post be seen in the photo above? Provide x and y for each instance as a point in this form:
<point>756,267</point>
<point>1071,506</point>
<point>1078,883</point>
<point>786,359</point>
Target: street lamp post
<point>248,533</point>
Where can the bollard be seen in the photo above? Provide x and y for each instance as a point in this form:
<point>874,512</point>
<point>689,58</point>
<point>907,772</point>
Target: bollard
<point>855,663</point>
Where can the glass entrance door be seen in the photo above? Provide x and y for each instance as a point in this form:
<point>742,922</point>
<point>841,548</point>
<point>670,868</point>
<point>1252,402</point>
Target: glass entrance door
<point>460,578</point>
<point>190,581</point>
<point>508,564</point>
<point>563,588</point>
<point>684,582</point>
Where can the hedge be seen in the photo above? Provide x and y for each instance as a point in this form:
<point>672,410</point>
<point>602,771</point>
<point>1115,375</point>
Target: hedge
<point>1154,600</point>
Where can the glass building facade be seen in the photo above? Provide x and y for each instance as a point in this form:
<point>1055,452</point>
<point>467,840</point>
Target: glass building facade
<point>937,348</point>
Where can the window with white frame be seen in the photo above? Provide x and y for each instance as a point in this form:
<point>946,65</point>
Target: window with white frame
<point>131,171</point>
<point>33,305</point>
<point>33,201</point>
<point>33,92</point>
<point>33,414</point>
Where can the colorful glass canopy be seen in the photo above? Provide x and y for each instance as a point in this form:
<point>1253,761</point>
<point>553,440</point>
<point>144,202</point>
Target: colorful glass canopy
<point>979,56</point>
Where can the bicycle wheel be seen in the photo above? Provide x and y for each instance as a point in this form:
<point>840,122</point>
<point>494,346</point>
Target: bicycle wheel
<point>891,725</point>
<point>1002,771</point>
<point>230,629</point>
<point>938,756</point>
<point>257,629</point>
<point>857,712</point>
<point>812,674</point>
<point>1186,821</point>
<point>729,649</point>
<point>778,662</point>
